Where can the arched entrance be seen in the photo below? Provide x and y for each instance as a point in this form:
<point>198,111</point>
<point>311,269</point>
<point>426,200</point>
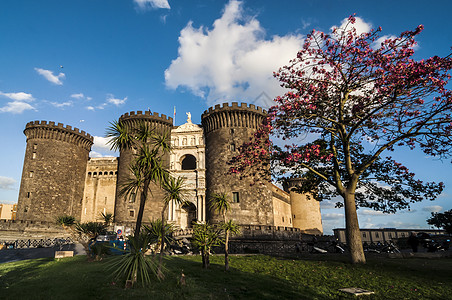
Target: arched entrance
<point>188,162</point>
<point>188,215</point>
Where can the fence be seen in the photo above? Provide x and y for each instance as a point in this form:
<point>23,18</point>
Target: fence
<point>37,243</point>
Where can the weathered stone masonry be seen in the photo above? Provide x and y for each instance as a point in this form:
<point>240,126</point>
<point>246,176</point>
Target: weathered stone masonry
<point>58,177</point>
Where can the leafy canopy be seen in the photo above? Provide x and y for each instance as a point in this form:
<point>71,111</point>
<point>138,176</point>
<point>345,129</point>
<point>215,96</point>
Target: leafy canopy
<point>361,96</point>
<point>442,220</point>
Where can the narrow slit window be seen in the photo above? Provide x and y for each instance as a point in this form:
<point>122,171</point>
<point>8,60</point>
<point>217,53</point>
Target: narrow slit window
<point>235,197</point>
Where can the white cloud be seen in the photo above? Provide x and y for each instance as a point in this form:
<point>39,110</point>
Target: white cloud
<point>81,96</point>
<point>16,107</point>
<point>101,148</point>
<point>100,143</point>
<point>78,96</point>
<point>370,212</point>
<point>7,183</point>
<point>152,4</point>
<point>50,77</point>
<point>332,216</point>
<point>398,225</point>
<point>360,25</point>
<point>328,204</point>
<point>433,208</point>
<point>90,108</point>
<point>61,105</point>
<point>20,96</point>
<point>111,99</point>
<point>95,154</point>
<point>231,61</point>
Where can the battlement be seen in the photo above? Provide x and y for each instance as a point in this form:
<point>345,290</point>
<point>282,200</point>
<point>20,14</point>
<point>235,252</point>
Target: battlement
<point>147,115</point>
<point>234,115</point>
<point>50,124</point>
<point>234,106</point>
<point>50,131</point>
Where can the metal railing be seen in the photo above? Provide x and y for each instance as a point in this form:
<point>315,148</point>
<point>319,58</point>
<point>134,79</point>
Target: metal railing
<point>36,243</point>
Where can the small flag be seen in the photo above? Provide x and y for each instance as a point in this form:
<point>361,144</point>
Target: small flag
<point>174,119</point>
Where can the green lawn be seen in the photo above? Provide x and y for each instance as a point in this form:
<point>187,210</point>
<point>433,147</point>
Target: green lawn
<point>250,277</point>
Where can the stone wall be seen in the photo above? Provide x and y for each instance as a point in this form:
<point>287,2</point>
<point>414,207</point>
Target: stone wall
<point>305,210</point>
<point>126,210</point>
<point>226,128</point>
<point>54,169</point>
<point>13,230</point>
<point>100,188</point>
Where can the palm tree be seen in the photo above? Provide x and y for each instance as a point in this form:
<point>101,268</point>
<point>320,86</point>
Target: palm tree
<point>229,227</point>
<point>147,166</point>
<point>220,203</point>
<point>174,188</point>
<point>107,218</point>
<point>84,233</point>
<point>134,265</point>
<point>154,230</point>
<point>205,236</point>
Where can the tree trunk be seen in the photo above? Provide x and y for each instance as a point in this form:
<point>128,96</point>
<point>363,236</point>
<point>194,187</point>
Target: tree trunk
<point>162,243</point>
<point>144,195</point>
<point>226,251</point>
<point>205,259</point>
<point>353,233</point>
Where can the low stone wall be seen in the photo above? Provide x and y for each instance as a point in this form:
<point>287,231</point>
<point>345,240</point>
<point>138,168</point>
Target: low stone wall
<point>268,233</point>
<point>14,229</point>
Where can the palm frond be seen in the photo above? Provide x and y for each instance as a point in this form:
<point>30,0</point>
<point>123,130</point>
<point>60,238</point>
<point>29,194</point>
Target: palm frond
<point>121,136</point>
<point>220,203</point>
<point>175,190</point>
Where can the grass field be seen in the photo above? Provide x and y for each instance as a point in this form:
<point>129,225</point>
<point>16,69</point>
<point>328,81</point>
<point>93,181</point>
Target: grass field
<point>250,277</point>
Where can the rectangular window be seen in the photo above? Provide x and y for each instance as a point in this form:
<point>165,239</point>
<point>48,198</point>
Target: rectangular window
<point>131,213</point>
<point>35,146</point>
<point>283,219</point>
<point>235,197</point>
<point>294,216</point>
<point>31,174</point>
<point>28,194</point>
<point>376,234</point>
<point>132,198</point>
<point>232,147</point>
<point>33,155</point>
<point>364,234</point>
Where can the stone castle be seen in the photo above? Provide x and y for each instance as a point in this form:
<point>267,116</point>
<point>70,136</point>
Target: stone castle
<point>59,178</point>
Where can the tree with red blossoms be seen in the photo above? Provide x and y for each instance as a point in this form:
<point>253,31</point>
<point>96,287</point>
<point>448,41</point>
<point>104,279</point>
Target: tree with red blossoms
<point>362,99</point>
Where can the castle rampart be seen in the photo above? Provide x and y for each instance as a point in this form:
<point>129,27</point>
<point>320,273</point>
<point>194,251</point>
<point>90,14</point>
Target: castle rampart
<point>44,130</point>
<point>126,210</point>
<point>54,171</point>
<point>233,115</point>
<point>226,128</point>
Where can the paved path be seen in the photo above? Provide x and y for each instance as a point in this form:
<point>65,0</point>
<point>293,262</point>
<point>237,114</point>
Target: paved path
<point>9,255</point>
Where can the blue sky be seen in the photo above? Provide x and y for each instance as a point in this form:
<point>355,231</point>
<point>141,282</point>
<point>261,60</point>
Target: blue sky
<point>84,63</point>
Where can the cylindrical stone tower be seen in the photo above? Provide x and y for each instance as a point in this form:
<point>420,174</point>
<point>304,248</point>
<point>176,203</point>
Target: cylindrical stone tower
<point>126,210</point>
<point>226,128</point>
<point>53,175</point>
<point>305,210</point>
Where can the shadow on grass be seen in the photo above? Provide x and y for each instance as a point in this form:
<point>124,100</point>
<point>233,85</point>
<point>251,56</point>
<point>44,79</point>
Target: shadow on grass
<point>235,284</point>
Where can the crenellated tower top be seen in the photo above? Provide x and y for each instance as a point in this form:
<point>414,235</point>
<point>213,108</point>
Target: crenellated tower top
<point>232,115</point>
<point>48,130</point>
<point>147,115</point>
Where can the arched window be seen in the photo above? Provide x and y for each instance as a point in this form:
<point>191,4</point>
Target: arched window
<point>189,162</point>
